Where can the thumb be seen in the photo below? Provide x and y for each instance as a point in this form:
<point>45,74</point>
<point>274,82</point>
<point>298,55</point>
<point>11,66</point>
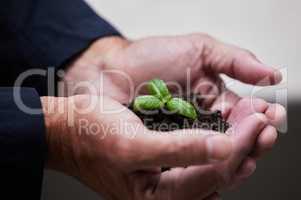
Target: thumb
<point>237,63</point>
<point>185,147</point>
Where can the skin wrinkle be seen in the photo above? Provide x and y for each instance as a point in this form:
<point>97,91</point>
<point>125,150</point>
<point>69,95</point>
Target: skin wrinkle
<point>172,187</point>
<point>245,151</point>
<point>206,57</point>
<point>148,183</point>
<point>232,65</point>
<point>212,101</point>
<point>199,57</point>
<point>177,180</point>
<point>104,163</point>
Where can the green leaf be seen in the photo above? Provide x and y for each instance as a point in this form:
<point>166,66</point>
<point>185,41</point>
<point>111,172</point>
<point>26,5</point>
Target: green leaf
<point>182,107</point>
<point>159,89</point>
<point>147,102</point>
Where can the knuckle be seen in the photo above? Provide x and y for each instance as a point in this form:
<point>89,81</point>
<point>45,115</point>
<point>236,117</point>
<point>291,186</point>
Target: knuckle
<point>178,148</point>
<point>259,105</point>
<point>192,149</point>
<point>172,150</point>
<point>255,104</point>
<point>182,147</point>
<point>259,119</point>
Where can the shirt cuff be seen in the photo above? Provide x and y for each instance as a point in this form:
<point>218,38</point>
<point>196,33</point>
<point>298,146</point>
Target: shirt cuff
<point>22,143</point>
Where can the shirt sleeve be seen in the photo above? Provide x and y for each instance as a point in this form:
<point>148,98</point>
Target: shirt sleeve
<point>22,144</point>
<point>43,33</point>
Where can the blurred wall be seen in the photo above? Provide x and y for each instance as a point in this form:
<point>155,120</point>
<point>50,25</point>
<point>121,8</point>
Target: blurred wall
<point>270,28</point>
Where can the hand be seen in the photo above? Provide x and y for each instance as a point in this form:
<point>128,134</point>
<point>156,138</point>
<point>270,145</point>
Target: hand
<point>170,58</point>
<point>167,58</point>
<point>116,156</point>
<point>104,145</point>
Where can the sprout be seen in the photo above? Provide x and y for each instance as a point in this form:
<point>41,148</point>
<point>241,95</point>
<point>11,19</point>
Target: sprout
<point>160,97</point>
<point>147,102</point>
<point>159,89</point>
<point>181,107</point>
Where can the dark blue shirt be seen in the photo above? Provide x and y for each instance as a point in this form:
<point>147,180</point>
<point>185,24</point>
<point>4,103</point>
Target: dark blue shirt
<point>35,34</point>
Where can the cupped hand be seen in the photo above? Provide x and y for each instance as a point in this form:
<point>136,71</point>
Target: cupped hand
<point>107,147</point>
<point>122,64</point>
<point>188,59</point>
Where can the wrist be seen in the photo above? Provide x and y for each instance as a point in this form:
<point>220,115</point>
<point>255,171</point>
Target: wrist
<point>58,137</point>
<point>108,46</point>
<point>102,51</point>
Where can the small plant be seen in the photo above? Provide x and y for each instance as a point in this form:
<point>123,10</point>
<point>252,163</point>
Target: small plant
<point>183,114</point>
<point>159,97</point>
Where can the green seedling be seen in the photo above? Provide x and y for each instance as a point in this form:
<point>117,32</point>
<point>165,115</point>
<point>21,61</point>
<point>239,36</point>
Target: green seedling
<point>158,88</point>
<point>160,97</point>
<point>181,107</point>
<point>147,102</point>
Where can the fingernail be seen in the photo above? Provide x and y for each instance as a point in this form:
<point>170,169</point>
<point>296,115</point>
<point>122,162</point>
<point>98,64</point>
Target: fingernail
<point>277,115</point>
<point>219,147</point>
<point>277,76</point>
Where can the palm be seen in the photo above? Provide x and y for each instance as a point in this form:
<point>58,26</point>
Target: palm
<point>195,61</point>
<point>181,60</point>
<point>143,179</point>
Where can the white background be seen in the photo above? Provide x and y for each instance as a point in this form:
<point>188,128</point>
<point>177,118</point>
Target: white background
<point>269,28</point>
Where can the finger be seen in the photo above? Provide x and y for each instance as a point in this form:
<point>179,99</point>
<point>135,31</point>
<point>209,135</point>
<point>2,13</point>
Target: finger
<point>246,107</point>
<point>244,135</point>
<point>214,94</point>
<point>276,114</point>
<point>195,181</point>
<point>247,168</point>
<point>183,148</point>
<point>239,64</point>
<point>265,141</point>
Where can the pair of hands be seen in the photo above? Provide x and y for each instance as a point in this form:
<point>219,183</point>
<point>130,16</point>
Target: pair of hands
<point>114,153</point>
